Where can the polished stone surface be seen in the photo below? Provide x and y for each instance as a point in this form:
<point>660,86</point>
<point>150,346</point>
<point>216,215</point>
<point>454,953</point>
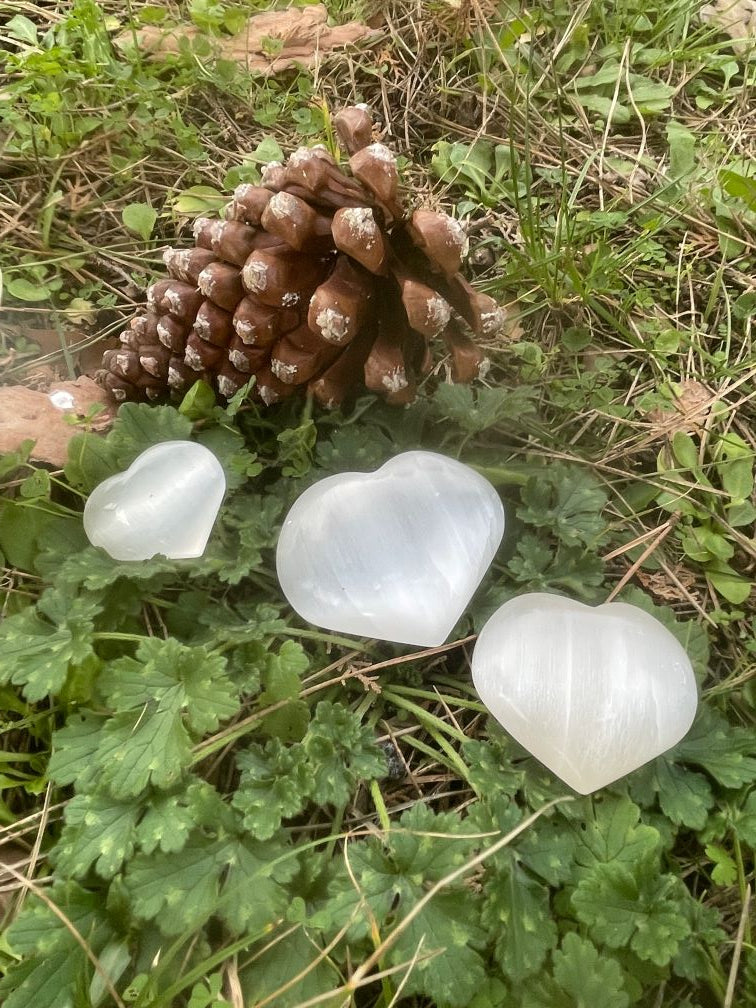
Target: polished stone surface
<point>395,554</point>
<point>593,693</point>
<point>166,502</point>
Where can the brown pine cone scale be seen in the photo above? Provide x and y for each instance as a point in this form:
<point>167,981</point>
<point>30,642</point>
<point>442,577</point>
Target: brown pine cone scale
<point>314,279</point>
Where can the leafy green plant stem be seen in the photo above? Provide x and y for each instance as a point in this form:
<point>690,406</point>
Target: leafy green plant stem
<point>328,639</point>
<point>239,637</point>
<point>336,823</point>
<point>434,695</point>
<point>380,805</point>
<point>203,969</point>
<point>217,742</point>
<point>105,636</point>
<point>50,507</point>
<point>132,23</point>
<point>435,726</point>
<point>742,883</point>
<point>432,753</point>
<point>46,221</point>
<point>428,720</point>
<point>716,979</point>
<point>511,475</point>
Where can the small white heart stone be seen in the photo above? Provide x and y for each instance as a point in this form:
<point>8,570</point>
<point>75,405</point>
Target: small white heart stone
<point>593,693</point>
<point>166,502</point>
<point>395,554</point>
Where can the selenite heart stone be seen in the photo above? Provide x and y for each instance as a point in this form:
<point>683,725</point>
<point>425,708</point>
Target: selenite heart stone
<point>394,554</point>
<point>165,502</point>
<point>593,693</point>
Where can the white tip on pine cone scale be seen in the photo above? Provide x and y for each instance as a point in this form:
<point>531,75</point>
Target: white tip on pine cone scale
<point>255,275</point>
<point>245,330</point>
<point>201,327</point>
<point>122,360</point>
<point>199,224</point>
<point>282,205</point>
<point>395,380</point>
<point>150,365</point>
<point>269,170</point>
<point>381,153</point>
<point>458,235</point>
<point>493,321</point>
<point>484,367</point>
<point>438,313</point>
<point>300,156</point>
<point>173,299</point>
<point>178,260</point>
<point>239,360</point>
<point>268,395</point>
<point>321,151</point>
<point>362,224</point>
<point>284,372</point>
<point>290,299</point>
<point>174,378</point>
<point>227,386</point>
<point>206,283</point>
<point>332,324</point>
<point>216,233</point>
<point>192,359</point>
<point>163,335</point>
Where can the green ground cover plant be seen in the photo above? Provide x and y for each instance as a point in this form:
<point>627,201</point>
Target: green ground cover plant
<point>204,801</point>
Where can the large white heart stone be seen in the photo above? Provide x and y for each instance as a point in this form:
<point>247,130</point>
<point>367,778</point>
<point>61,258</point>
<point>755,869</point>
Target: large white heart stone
<point>394,554</point>
<point>166,502</point>
<point>593,693</point>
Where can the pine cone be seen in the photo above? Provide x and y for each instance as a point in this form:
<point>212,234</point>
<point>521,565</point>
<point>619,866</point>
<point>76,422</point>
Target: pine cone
<point>315,278</point>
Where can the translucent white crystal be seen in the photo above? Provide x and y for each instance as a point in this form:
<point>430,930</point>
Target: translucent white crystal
<point>166,502</point>
<point>593,693</point>
<point>62,400</point>
<point>394,554</point>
